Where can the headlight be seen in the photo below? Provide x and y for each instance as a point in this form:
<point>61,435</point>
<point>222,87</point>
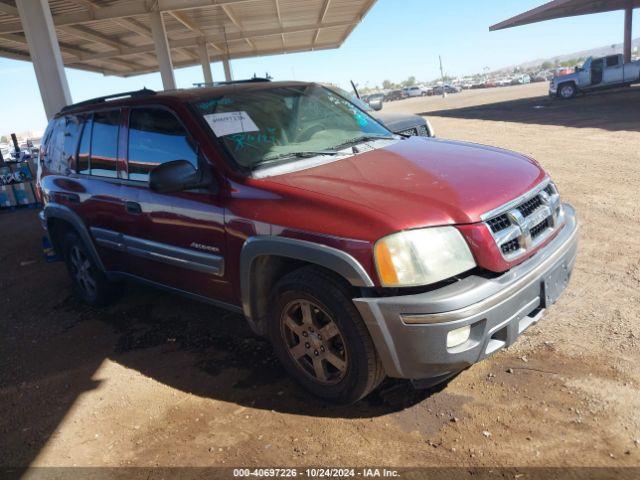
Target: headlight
<point>420,257</point>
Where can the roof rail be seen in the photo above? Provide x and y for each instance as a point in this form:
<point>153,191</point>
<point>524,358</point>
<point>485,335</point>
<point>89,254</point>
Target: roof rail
<point>133,94</point>
<point>232,82</point>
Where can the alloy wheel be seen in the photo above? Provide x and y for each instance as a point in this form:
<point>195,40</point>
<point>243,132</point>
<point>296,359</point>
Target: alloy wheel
<point>82,271</point>
<point>566,91</point>
<point>314,341</point>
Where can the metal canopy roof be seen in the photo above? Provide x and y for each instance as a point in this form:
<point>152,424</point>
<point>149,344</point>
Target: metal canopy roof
<point>565,8</point>
<point>114,37</point>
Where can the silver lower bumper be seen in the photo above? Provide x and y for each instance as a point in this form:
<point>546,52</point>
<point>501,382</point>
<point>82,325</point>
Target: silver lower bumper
<point>410,331</point>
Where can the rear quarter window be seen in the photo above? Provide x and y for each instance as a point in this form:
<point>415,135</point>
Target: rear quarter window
<point>54,159</point>
<point>62,144</point>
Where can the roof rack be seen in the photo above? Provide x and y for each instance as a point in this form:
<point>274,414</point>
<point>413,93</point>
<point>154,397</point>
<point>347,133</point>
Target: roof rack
<point>145,92</point>
<point>232,82</point>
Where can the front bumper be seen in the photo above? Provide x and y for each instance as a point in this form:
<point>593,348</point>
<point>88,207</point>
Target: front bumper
<point>553,89</point>
<point>497,309</point>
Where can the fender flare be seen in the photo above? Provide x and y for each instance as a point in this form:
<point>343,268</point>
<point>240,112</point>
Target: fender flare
<point>56,211</point>
<point>331,258</point>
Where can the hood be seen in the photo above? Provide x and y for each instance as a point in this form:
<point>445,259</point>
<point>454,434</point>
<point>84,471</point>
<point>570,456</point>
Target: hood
<point>562,78</point>
<point>421,181</point>
<point>397,122</point>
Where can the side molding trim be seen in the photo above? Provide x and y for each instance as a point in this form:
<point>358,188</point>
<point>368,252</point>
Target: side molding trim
<point>160,252</point>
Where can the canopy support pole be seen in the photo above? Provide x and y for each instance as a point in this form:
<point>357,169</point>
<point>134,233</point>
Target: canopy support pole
<point>163,54</point>
<point>628,27</point>
<point>39,29</point>
<point>228,73</point>
<point>203,53</point>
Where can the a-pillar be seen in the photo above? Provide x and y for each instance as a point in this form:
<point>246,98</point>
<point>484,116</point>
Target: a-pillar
<point>45,54</point>
<point>162,50</point>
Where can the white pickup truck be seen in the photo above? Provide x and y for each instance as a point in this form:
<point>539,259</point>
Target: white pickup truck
<point>596,74</point>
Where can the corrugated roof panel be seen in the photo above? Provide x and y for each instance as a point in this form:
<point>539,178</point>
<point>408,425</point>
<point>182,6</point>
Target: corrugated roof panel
<point>109,39</point>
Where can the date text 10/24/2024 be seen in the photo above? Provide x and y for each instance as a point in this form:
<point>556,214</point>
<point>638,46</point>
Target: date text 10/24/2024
<point>316,472</point>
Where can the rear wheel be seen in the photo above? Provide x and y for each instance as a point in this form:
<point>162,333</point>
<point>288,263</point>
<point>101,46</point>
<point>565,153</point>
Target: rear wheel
<point>89,283</point>
<point>320,337</point>
<point>567,90</point>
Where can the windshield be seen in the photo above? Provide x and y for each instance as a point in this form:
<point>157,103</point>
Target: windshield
<point>258,126</point>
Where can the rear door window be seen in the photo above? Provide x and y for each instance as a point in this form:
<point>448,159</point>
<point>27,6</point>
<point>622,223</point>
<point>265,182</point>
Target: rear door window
<point>104,143</point>
<point>612,61</point>
<point>156,136</point>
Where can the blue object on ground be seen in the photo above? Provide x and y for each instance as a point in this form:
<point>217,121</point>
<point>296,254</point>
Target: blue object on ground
<point>49,252</point>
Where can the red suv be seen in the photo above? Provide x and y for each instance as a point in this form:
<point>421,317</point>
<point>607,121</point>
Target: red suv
<point>359,253</point>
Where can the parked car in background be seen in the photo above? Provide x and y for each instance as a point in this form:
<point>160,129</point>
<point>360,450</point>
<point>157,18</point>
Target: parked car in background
<point>394,95</point>
<point>400,123</point>
<point>374,100</point>
<point>446,88</point>
<point>415,91</point>
<point>358,253</point>
<point>521,80</point>
<point>596,74</point>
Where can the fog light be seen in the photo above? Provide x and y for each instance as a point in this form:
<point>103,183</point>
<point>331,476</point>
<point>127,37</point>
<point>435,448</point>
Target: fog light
<point>458,336</point>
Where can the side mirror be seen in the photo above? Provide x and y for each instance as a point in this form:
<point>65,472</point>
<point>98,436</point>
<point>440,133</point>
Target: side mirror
<point>176,176</point>
<point>376,104</point>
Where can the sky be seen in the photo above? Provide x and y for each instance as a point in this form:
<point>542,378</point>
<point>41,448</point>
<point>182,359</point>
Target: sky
<point>397,39</point>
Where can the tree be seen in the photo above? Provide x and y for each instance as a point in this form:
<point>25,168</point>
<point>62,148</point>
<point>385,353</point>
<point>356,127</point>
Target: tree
<point>387,85</point>
<point>409,82</point>
<point>546,65</point>
<point>4,139</point>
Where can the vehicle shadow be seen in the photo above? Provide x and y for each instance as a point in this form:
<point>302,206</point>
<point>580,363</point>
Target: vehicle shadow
<point>210,352</point>
<point>613,110</point>
<point>54,347</point>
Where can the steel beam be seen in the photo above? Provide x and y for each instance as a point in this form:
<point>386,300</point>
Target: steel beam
<point>162,50</point>
<point>203,53</point>
<point>271,51</point>
<point>193,41</point>
<point>45,54</point>
<point>127,9</point>
<point>228,73</point>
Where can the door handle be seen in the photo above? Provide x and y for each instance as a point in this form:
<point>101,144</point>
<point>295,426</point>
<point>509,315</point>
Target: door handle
<point>133,207</point>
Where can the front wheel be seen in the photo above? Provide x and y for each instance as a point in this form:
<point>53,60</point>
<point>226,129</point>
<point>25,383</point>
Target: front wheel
<point>320,337</point>
<point>567,90</point>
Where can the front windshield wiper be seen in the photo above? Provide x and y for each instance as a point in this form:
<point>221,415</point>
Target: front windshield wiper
<point>360,139</point>
<point>289,155</point>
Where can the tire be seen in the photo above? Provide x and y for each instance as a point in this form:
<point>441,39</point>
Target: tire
<point>303,304</point>
<point>90,284</point>
<point>567,90</point>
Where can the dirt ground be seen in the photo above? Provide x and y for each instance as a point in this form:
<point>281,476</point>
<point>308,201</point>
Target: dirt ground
<point>157,380</point>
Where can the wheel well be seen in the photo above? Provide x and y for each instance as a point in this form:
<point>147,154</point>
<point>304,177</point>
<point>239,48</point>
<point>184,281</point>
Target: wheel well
<point>569,82</point>
<point>57,229</point>
<point>266,270</point>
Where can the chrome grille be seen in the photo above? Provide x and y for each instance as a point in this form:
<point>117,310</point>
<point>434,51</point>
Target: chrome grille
<point>540,228</point>
<point>525,222</point>
<point>410,131</point>
<point>499,223</point>
<point>510,246</point>
<point>420,131</point>
<point>530,206</point>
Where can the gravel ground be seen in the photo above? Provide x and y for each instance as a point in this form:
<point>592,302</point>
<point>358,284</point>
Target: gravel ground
<point>160,380</point>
